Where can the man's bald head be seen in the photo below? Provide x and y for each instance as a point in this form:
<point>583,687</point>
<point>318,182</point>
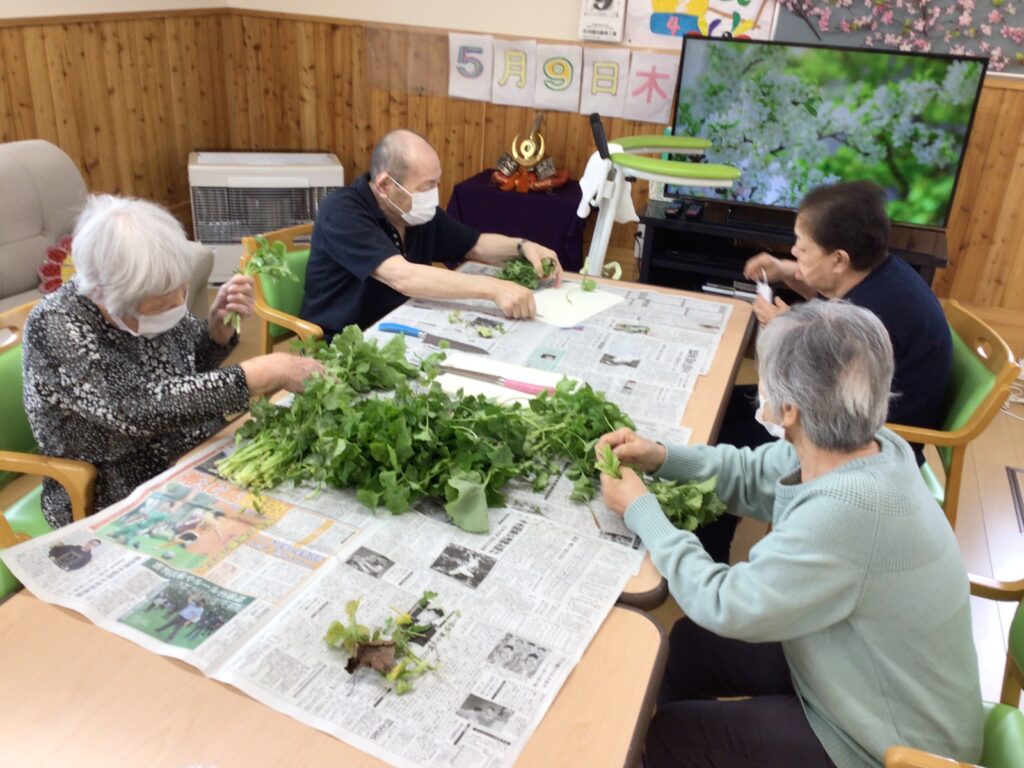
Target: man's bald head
<point>402,153</point>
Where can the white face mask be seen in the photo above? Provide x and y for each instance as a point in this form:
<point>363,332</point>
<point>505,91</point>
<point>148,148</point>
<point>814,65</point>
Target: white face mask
<point>424,205</point>
<point>154,325</point>
<point>775,430</point>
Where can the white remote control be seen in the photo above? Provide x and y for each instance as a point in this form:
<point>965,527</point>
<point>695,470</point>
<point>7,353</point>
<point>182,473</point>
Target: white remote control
<point>763,289</point>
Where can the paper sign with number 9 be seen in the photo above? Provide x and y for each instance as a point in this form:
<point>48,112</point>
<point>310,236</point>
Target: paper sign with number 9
<point>557,73</point>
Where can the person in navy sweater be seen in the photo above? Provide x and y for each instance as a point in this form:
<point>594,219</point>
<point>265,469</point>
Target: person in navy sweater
<point>842,252</point>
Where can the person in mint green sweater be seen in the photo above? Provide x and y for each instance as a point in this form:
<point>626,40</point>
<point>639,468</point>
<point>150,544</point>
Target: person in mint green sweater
<point>849,628</point>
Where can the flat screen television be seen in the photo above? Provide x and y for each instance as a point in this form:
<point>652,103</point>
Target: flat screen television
<point>792,117</point>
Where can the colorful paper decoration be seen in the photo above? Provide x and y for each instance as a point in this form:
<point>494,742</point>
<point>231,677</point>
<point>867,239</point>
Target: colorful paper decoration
<point>513,78</point>
<point>664,23</point>
<point>605,76</point>
<point>652,86</point>
<point>469,66</point>
<point>558,77</point>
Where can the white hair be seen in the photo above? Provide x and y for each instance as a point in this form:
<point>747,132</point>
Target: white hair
<point>126,250</point>
<point>833,361</point>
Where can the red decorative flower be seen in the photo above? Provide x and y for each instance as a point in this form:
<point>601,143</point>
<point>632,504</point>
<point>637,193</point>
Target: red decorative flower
<point>51,271</point>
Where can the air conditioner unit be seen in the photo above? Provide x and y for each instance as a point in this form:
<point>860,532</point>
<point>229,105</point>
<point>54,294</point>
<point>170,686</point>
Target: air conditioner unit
<point>237,194</point>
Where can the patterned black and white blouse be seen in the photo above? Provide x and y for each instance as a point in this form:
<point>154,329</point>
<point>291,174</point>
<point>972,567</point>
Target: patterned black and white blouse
<point>130,405</point>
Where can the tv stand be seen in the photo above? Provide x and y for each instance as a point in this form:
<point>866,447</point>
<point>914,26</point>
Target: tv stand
<point>691,253</point>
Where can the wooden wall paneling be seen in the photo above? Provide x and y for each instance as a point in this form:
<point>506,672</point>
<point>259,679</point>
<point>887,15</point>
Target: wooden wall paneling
<point>959,232</point>
<point>234,74</point>
<point>359,114</point>
<point>377,70</point>
<point>324,97</point>
<point>397,67</point>
<point>15,63</point>
<point>969,182</point>
<point>41,99</point>
<point>988,202</point>
<point>257,93</point>
<point>116,104</point>
<point>417,80</point>
<point>437,98</point>
<point>98,115</point>
<point>1002,274</point>
<point>184,101</point>
<point>155,183</point>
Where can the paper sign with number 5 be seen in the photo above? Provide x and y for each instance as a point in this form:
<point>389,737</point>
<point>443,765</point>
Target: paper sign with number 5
<point>470,65</point>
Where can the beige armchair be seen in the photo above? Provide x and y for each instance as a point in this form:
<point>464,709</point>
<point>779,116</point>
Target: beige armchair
<point>40,198</point>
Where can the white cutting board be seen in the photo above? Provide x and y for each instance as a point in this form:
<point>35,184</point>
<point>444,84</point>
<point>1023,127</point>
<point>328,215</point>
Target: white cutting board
<point>452,383</point>
<point>569,305</point>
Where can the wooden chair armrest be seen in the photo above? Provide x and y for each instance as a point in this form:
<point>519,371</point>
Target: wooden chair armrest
<point>304,329</point>
<point>975,425</point>
<point>77,477</point>
<point>8,538</point>
<point>993,589</point>
<point>906,757</point>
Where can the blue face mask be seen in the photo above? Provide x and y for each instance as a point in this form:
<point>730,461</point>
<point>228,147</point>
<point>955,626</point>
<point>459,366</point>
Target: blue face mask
<point>775,430</point>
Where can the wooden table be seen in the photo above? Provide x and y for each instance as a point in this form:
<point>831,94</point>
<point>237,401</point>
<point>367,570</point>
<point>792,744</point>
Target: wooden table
<point>76,695</point>
<point>703,415</point>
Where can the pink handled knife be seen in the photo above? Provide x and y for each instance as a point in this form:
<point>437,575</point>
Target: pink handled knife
<point>492,378</point>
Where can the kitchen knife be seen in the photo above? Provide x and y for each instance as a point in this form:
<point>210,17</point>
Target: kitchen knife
<point>501,381</point>
<point>430,338</point>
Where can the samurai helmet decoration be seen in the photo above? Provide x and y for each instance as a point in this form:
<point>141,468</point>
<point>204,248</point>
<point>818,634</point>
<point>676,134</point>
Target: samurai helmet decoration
<point>529,151</point>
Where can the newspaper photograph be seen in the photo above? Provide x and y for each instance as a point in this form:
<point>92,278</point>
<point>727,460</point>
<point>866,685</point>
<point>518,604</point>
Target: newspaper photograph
<point>515,610</point>
<point>190,567</point>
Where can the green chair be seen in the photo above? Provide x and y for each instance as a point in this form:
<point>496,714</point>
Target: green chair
<point>1003,745</point>
<point>23,518</point>
<point>278,301</point>
<point>983,371</point>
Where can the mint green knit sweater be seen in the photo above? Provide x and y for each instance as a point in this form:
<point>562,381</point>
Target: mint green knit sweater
<point>860,579</point>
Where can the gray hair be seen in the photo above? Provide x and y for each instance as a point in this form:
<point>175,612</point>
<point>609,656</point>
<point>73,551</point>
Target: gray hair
<point>833,361</point>
<point>393,154</point>
<point>126,250</point>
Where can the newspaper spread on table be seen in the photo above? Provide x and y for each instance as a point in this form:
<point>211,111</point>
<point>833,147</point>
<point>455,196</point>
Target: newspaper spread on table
<point>189,566</point>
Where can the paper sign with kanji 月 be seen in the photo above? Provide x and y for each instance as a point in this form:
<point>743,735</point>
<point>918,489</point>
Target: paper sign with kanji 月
<point>652,84</point>
<point>514,72</point>
<point>469,66</point>
<point>605,76</point>
<point>559,74</point>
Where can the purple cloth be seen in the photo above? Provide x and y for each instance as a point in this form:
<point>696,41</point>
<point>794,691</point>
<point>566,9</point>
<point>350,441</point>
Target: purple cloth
<point>546,218</point>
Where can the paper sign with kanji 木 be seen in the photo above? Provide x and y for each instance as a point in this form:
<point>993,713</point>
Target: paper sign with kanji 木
<point>469,66</point>
<point>605,76</point>
<point>652,85</point>
<point>559,74</point>
<point>514,72</point>
<point>664,23</point>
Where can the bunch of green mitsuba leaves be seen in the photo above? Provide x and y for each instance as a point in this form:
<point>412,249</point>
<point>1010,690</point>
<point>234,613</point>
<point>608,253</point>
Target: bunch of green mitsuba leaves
<point>411,440</point>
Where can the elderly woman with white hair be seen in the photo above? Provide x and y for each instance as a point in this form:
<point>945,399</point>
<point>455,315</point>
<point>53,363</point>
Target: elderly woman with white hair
<point>116,370</point>
<point>849,629</point>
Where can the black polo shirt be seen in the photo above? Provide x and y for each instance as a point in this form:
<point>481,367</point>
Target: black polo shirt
<point>351,238</point>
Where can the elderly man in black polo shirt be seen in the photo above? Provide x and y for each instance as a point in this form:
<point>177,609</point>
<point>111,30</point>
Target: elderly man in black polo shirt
<point>374,244</point>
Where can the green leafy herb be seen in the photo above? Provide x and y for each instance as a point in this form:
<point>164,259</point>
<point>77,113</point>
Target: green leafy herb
<point>519,270</point>
<point>363,645</point>
<point>418,442</point>
<point>688,505</point>
<point>267,260</point>
<point>608,463</point>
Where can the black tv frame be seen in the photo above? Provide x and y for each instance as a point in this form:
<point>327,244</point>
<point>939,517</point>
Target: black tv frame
<point>773,218</point>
